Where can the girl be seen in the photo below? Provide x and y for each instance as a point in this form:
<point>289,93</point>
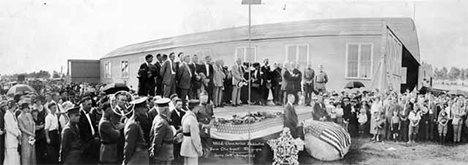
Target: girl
<point>339,114</point>
<point>362,119</point>
<point>375,109</point>
<point>414,118</point>
<point>395,125</point>
<point>442,121</point>
<point>379,125</point>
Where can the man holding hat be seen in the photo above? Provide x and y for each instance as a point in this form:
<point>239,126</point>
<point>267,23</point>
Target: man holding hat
<point>146,77</point>
<point>162,135</point>
<point>191,147</point>
<point>135,148</point>
<point>70,151</point>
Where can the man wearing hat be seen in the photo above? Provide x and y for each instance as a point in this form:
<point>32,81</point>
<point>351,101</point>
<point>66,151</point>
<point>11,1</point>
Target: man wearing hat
<point>162,135</point>
<point>70,151</point>
<point>191,147</point>
<point>146,77</point>
<point>110,132</point>
<point>135,148</point>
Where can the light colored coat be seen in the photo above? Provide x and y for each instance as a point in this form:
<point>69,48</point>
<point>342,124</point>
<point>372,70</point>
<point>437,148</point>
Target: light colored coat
<point>218,78</point>
<point>237,74</point>
<point>191,145</point>
<point>11,141</point>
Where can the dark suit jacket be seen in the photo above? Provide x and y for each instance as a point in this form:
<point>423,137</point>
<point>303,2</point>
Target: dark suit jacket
<point>166,73</point>
<point>290,119</point>
<point>147,73</point>
<point>183,77</point>
<point>276,77</point>
<point>159,78</point>
<point>289,81</point>
<point>267,74</point>
<point>202,69</point>
<point>91,146</point>
<point>176,120</point>
<point>70,142</point>
<point>319,111</point>
<point>194,68</point>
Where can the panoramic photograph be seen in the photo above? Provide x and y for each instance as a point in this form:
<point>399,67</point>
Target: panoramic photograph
<point>242,82</point>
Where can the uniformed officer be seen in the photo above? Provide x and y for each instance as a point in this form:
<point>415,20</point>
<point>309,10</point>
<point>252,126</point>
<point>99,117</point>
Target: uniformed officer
<point>70,150</point>
<point>110,132</point>
<point>204,113</point>
<point>191,147</point>
<point>135,148</point>
<point>162,135</point>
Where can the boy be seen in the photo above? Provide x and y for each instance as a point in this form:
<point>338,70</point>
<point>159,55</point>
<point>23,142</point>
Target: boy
<point>414,117</point>
<point>442,121</point>
<point>396,125</point>
<point>362,119</point>
<point>52,132</point>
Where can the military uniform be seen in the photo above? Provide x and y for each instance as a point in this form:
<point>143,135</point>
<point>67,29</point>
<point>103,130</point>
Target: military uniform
<point>191,147</point>
<point>71,148</point>
<point>135,148</point>
<point>162,137</point>
<point>204,113</point>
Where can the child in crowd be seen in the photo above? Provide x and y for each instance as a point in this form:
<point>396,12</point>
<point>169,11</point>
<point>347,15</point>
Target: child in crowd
<point>301,101</point>
<point>442,121</point>
<point>379,125</point>
<point>395,125</point>
<point>414,117</point>
<point>339,114</point>
<point>362,119</point>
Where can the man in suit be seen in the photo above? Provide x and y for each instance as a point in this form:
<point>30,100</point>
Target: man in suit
<point>195,81</point>
<point>288,81</point>
<point>207,69</point>
<point>146,77</point>
<point>176,122</point>
<point>162,135</point>
<point>319,110</point>
<point>290,116</point>
<point>265,73</point>
<point>237,72</point>
<point>184,77</point>
<point>297,79</point>
<point>276,82</point>
<point>88,133</point>
<point>70,150</point>
<point>168,72</point>
<point>309,75</point>
<point>135,148</point>
<point>159,78</point>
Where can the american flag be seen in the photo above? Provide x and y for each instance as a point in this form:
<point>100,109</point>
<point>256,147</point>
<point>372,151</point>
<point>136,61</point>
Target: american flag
<point>330,133</point>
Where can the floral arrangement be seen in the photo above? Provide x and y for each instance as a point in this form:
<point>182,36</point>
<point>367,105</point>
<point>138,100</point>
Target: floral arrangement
<point>248,118</point>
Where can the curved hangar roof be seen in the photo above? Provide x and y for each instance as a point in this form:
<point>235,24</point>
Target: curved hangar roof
<point>404,29</point>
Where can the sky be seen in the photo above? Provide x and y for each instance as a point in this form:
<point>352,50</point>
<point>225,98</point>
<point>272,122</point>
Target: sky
<point>42,34</point>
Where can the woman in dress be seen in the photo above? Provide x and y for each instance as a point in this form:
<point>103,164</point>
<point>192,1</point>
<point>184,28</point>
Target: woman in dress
<point>12,136</point>
<point>27,127</point>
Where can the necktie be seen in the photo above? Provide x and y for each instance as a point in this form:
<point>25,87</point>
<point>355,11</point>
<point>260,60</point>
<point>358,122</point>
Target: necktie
<point>188,68</point>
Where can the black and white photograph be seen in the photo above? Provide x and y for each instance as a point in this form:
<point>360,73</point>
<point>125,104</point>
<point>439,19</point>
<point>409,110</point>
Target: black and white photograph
<point>241,82</point>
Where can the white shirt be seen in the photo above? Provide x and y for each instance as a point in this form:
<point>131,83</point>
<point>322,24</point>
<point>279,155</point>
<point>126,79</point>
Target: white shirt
<point>207,69</point>
<point>51,122</point>
<point>89,121</point>
<point>172,68</point>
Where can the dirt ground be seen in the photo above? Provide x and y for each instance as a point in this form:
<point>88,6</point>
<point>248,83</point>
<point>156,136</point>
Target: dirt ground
<point>363,151</point>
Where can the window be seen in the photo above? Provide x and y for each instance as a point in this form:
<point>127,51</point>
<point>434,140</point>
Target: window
<point>124,68</point>
<point>359,60</point>
<point>298,54</point>
<point>243,53</point>
<point>108,72</point>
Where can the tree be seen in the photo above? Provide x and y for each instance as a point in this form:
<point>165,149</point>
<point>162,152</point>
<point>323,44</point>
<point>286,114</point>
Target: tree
<point>55,74</point>
<point>443,73</point>
<point>454,73</point>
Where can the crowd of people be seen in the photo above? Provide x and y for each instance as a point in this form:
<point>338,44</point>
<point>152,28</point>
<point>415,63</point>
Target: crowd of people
<point>169,119</point>
<point>392,116</point>
<point>188,76</point>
